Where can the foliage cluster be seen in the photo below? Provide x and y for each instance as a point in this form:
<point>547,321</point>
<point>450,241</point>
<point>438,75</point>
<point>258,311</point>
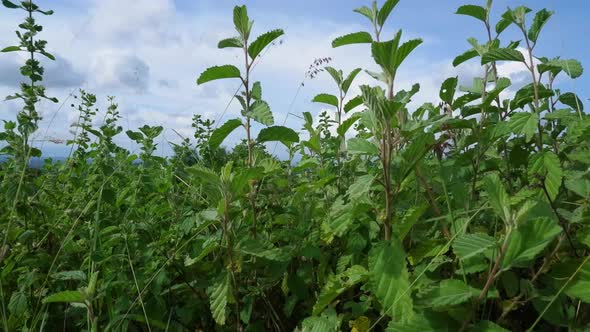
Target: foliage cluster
<point>468,214</point>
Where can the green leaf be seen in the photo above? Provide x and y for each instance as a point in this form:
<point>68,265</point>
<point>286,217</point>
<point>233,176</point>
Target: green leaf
<point>219,294</point>
<point>353,38</point>
<point>346,124</point>
<point>477,12</point>
<point>579,286</point>
<point>338,221</point>
<point>502,25</point>
<point>404,50</point>
<point>66,296</point>
<point>353,103</point>
<point>501,85</point>
<point>502,54</point>
<point>573,68</point>
<point>336,74</point>
<point>447,90</point>
<point>263,41</point>
<point>367,12</point>
<point>571,99</point>
<point>11,49</point>
<point>70,275</point>
<point>242,23</point>
<point>470,245</point>
<point>412,155</point>
<point>48,55</point>
<point>410,218</point>
<point>487,326</point>
<point>325,98</point>
<point>9,4</point>
<point>234,42</point>
<point>450,292</point>
<point>468,55</point>
<point>260,112</point>
<point>385,11</point>
<point>257,91</point>
<point>278,133</point>
<point>348,81</point>
<point>337,284</point>
<point>262,250</point>
<point>546,164</point>
<point>529,240</point>
<point>362,146</point>
<point>18,304</point>
<point>526,95</point>
<point>218,72</point>
<point>388,280</point>
<point>524,123</point>
<point>325,323</point>
<point>498,197</point>
<point>539,21</point>
<point>221,133</point>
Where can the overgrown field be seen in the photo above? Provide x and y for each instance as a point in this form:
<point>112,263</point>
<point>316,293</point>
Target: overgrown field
<point>470,213</point>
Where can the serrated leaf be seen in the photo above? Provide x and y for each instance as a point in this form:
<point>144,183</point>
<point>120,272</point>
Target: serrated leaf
<point>353,103</point>
<point>501,85</point>
<point>242,22</point>
<point>571,99</point>
<point>498,197</point>
<point>385,11</point>
<point>349,79</point>
<point>257,91</point>
<point>547,165</point>
<point>468,55</point>
<point>263,41</point>
<point>278,133</point>
<point>70,275</point>
<point>18,304</point>
<point>219,294</point>
<point>221,133</point>
<point>218,72</point>
<point>529,240</point>
<point>346,124</point>
<point>234,42</point>
<point>470,245</point>
<point>524,123</point>
<point>388,280</point>
<point>66,296</point>
<point>260,249</point>
<point>339,220</point>
<point>353,38</point>
<point>260,112</point>
<point>362,146</point>
<point>451,292</point>
<point>502,54</point>
<point>474,11</point>
<point>336,74</point>
<point>337,284</point>
<point>539,21</point>
<point>325,98</point>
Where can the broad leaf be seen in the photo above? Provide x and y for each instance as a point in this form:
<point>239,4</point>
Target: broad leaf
<point>219,295</point>
<point>546,165</point>
<point>362,146</point>
<point>234,42</point>
<point>571,99</point>
<point>524,123</point>
<point>348,81</point>
<point>541,18</point>
<point>278,133</point>
<point>66,296</point>
<point>447,90</point>
<point>498,197</point>
<point>219,72</point>
<point>388,280</point>
<point>242,23</point>
<point>477,12</point>
<point>501,85</point>
<point>502,54</point>
<point>573,68</point>
<point>337,75</point>
<point>260,112</point>
<point>450,292</point>
<point>326,99</point>
<point>579,286</point>
<point>337,284</point>
<point>10,49</point>
<point>529,240</point>
<point>353,38</point>
<point>262,41</point>
<point>9,4</point>
<point>260,249</point>
<point>221,133</point>
<point>346,124</point>
<point>385,11</point>
<point>468,55</point>
<point>470,245</point>
<point>353,103</point>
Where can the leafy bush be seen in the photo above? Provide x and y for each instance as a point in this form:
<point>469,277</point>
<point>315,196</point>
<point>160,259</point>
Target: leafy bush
<point>471,213</point>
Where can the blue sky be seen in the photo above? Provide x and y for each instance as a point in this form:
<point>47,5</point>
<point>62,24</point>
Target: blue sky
<point>148,54</point>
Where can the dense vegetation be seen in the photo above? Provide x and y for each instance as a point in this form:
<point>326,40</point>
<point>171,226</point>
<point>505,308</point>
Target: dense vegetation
<point>468,214</point>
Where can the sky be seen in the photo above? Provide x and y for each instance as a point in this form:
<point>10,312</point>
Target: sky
<point>149,53</point>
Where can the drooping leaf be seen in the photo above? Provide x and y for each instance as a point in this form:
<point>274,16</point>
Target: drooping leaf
<point>529,240</point>
<point>470,245</point>
<point>572,100</point>
<point>260,112</point>
<point>524,123</point>
<point>502,54</point>
<point>221,133</point>
<point>447,90</point>
<point>219,294</point>
<point>451,292</point>
<point>468,55</point>
<point>353,103</point>
<point>326,99</point>
<point>218,72</point>
<point>234,42</point>
<point>573,68</point>
<point>353,38</point>
<point>477,12</point>
<point>263,41</point>
<point>337,284</point>
<point>388,280</point>
<point>66,296</point>
<point>539,21</point>
<point>278,133</point>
